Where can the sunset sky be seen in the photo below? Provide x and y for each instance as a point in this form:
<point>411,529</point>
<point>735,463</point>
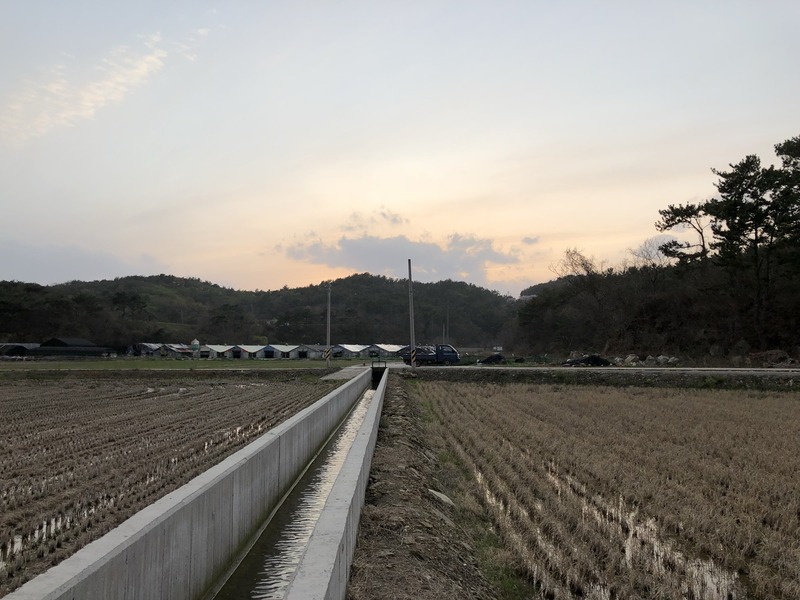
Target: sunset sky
<point>263,144</point>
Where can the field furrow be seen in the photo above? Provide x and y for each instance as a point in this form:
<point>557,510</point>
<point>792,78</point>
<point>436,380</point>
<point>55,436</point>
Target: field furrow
<point>78,457</point>
<point>617,493</point>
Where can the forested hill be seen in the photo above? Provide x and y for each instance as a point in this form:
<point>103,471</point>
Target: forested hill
<point>365,309</point>
<point>731,288</point>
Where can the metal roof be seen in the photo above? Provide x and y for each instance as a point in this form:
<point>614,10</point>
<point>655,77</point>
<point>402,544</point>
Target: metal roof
<point>352,347</point>
<point>282,347</point>
<point>179,347</point>
<point>151,345</point>
<point>389,347</point>
<point>251,348</point>
<point>67,341</point>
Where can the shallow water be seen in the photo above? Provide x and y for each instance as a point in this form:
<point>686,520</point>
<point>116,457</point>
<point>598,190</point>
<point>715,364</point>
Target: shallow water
<point>269,567</point>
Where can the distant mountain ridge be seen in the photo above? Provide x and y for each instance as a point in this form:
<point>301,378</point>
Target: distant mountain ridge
<point>364,308</point>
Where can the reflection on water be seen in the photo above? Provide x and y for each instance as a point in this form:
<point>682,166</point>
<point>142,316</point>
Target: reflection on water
<point>268,569</point>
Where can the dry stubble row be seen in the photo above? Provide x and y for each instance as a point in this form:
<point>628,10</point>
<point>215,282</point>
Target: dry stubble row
<point>609,492</point>
<point>79,457</point>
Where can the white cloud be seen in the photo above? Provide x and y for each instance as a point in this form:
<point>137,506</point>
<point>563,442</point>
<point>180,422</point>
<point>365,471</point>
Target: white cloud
<point>461,257</point>
<point>378,218</point>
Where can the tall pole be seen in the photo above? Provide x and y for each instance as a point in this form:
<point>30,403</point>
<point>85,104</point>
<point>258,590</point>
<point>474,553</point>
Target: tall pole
<point>447,341</point>
<point>328,341</point>
<point>411,317</point>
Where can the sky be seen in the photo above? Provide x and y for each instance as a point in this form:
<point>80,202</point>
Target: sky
<point>267,144</point>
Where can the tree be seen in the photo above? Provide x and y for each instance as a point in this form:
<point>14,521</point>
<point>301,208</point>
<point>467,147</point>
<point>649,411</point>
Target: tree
<point>650,260</point>
<point>755,229</point>
<point>692,216</point>
<point>130,303</point>
<point>786,193</point>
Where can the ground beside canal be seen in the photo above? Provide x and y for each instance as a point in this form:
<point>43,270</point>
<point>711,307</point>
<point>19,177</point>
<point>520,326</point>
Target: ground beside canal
<point>412,543</point>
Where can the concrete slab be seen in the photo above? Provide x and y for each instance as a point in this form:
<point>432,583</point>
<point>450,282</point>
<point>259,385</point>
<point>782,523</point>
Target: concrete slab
<point>347,372</point>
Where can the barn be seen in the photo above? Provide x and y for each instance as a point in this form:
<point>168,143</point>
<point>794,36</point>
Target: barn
<point>250,351</point>
<point>69,347</point>
<point>282,351</point>
<point>384,350</point>
<point>149,349</point>
<point>17,349</point>
<point>313,351</point>
<point>350,351</point>
<point>177,351</point>
<point>217,351</point>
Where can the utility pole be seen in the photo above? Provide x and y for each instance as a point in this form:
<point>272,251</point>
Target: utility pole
<point>411,317</point>
<point>328,341</point>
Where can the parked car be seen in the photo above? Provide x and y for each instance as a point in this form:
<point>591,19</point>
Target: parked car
<point>441,354</point>
<point>494,359</point>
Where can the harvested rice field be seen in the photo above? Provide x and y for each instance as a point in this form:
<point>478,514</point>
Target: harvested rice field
<point>80,453</point>
<point>624,492</point>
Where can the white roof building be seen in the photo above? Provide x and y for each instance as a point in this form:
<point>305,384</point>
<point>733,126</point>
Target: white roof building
<point>282,351</point>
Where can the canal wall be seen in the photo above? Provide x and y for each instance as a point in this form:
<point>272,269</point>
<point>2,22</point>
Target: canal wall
<point>325,567</point>
<point>180,545</point>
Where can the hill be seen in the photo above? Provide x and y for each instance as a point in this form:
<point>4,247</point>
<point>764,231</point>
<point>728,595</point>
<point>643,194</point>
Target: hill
<point>364,308</point>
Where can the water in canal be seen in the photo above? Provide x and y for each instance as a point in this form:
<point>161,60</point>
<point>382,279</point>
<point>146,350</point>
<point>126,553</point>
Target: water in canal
<point>268,568</point>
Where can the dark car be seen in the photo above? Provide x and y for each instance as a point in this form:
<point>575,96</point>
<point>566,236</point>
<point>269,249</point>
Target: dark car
<point>494,359</point>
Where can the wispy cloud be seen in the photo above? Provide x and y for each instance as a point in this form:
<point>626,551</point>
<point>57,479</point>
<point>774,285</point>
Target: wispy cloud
<point>187,48</point>
<point>381,217</point>
<point>461,257</point>
<point>63,95</point>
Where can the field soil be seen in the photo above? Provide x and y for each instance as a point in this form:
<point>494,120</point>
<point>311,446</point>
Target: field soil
<point>581,491</point>
<point>412,541</point>
<point>579,486</point>
<point>80,453</point>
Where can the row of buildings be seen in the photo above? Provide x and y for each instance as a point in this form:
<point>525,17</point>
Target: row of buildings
<point>251,351</point>
<point>54,347</point>
<point>77,347</point>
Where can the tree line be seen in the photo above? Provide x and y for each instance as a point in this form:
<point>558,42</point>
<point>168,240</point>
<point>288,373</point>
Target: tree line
<point>733,288</point>
<point>364,309</point>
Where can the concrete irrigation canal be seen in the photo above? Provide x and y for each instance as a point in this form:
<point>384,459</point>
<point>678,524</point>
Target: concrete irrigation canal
<point>278,519</point>
<point>268,570</point>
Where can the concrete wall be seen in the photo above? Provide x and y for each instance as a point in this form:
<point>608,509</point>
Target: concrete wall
<point>325,568</point>
<point>176,548</point>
